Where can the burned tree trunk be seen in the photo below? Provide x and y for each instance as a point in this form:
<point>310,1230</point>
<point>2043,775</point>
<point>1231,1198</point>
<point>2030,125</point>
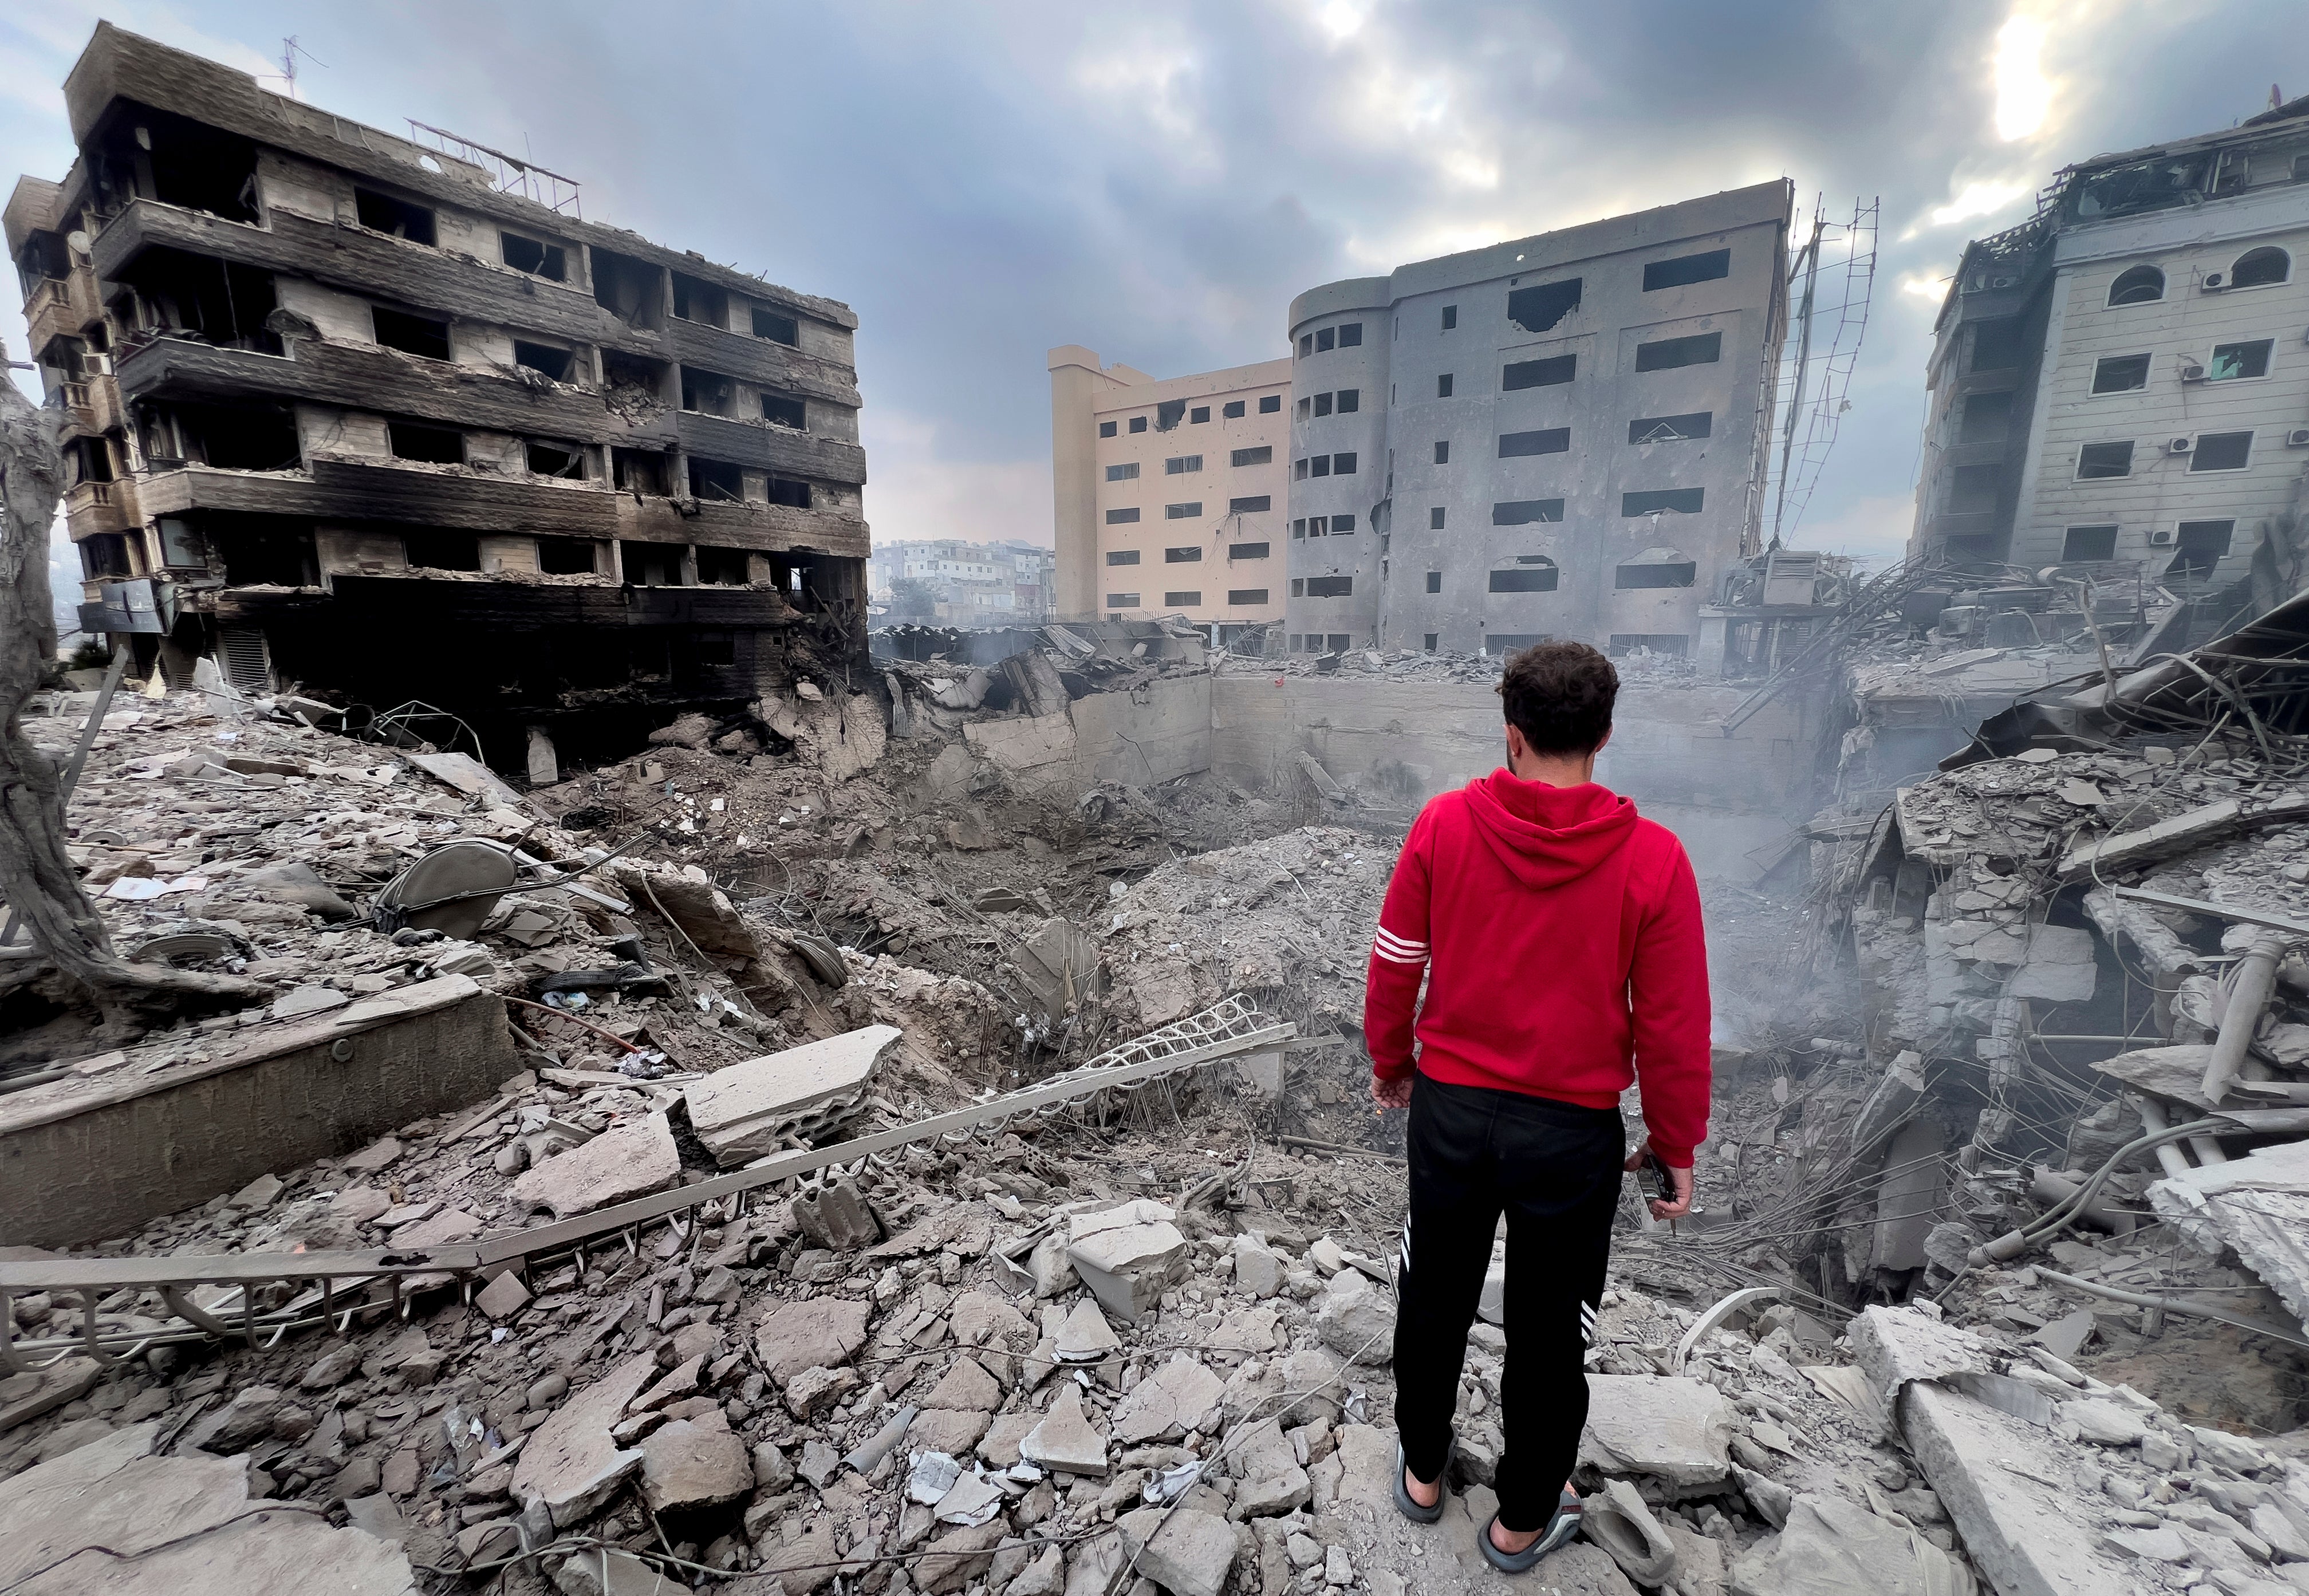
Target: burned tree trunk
<point>37,882</point>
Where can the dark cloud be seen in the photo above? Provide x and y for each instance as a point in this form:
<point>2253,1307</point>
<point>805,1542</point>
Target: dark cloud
<point>983,183</point>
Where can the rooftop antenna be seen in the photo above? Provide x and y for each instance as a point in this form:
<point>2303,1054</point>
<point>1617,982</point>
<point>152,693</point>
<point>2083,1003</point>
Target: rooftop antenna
<point>289,50</point>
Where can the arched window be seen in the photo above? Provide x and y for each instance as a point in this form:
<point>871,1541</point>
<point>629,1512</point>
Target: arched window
<point>2256,267</point>
<point>2136,285</point>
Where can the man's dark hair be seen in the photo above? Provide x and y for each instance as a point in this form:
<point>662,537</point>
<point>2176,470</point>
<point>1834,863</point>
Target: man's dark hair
<point>1559,696</point>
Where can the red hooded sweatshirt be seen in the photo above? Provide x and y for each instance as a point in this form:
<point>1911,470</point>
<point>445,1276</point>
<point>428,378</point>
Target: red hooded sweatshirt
<point>1561,938</point>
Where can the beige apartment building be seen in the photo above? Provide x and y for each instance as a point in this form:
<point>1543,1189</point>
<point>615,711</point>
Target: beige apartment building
<point>1169,493</point>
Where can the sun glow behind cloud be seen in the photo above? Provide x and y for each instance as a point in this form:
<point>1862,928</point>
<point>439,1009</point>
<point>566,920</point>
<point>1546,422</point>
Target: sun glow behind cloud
<point>2024,94</point>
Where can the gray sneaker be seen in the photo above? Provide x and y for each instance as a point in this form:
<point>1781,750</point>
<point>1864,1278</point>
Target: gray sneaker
<point>1560,1528</point>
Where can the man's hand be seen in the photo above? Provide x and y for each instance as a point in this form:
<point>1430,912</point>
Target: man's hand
<point>1681,1179</point>
<point>1391,1094</point>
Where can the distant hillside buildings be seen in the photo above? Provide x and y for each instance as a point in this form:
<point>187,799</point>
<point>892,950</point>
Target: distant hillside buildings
<point>970,584</point>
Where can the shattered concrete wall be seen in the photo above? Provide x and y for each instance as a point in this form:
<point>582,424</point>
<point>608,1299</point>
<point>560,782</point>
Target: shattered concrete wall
<point>1408,740</point>
<point>1155,732</point>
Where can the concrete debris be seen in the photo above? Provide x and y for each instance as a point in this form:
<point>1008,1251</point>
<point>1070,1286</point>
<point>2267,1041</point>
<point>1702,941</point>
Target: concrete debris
<point>630,1160</point>
<point>113,1516</point>
<point>1183,1551</point>
<point>1677,1430</point>
<point>1128,1256</point>
<point>751,1109</point>
<point>1064,1439</point>
<point>1831,1546</point>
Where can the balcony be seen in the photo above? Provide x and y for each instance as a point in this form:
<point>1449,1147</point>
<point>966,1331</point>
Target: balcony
<point>353,258</point>
<point>767,528</point>
<point>760,360</point>
<point>92,507</point>
<point>60,307</point>
<point>341,490</point>
<point>363,377</point>
<point>764,447</point>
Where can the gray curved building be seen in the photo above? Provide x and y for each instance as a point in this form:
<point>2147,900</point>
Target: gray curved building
<point>1562,437</point>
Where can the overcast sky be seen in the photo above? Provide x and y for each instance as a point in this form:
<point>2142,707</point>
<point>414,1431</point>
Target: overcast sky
<point>982,183</point>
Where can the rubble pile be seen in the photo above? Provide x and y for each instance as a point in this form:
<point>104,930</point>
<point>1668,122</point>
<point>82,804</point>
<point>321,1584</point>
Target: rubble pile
<point>1023,1365</point>
<point>1286,918</point>
<point>1416,665</point>
<point>212,837</point>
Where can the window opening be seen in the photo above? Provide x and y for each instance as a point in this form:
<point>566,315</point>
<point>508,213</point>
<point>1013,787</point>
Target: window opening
<point>2221,452</point>
<point>2104,460</point>
<point>2258,268</point>
<point>543,359</point>
<point>535,257</point>
<point>716,480</point>
<point>1121,556</point>
<point>1126,517</point>
<point>1525,511</point>
<point>2081,543</point>
<point>382,213</point>
<point>1549,440</point>
<point>793,494</point>
<point>553,459</point>
<point>410,334</point>
<point>1539,310</point>
<point>2136,285</point>
<point>1662,501</point>
<point>567,557</point>
<point>2120,374</point>
<point>434,445</point>
<point>1251,504</point>
<point>2234,362</point>
<point>1687,269</point>
<point>436,550</point>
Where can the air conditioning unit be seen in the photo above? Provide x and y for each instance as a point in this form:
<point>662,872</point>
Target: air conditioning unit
<point>2191,372</point>
<point>2179,445</point>
<point>2215,281</point>
<point>2161,537</point>
<point>2298,437</point>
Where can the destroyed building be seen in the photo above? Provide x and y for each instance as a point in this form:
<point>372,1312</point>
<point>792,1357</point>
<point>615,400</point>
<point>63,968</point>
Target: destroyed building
<point>1559,436</point>
<point>2119,378</point>
<point>1169,493</point>
<point>388,418</point>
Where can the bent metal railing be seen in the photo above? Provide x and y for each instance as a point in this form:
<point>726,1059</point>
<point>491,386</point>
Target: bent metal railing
<point>342,1286</point>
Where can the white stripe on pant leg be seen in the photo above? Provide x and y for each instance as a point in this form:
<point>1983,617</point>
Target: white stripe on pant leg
<point>1587,1323</point>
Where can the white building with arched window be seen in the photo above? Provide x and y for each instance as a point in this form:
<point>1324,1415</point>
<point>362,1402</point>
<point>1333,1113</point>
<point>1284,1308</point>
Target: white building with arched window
<point>2122,383</point>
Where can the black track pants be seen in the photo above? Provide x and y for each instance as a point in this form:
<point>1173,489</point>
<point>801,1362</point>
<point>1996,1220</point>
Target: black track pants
<point>1555,1169</point>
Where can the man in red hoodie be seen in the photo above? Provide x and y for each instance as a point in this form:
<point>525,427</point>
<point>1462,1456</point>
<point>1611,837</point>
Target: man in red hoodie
<point>1560,935</point>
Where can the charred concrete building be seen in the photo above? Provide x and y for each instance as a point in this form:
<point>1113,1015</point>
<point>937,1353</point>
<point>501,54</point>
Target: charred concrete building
<point>2119,381</point>
<point>385,417</point>
<point>1557,437</point>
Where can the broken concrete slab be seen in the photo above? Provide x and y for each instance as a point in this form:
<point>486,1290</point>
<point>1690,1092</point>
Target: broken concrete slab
<point>821,1332</point>
<point>696,1462</point>
<point>570,1463</point>
<point>1897,1346</point>
<point>2175,1074</point>
<point>1677,1430</point>
<point>745,1111</point>
<point>109,1516</point>
<point>1181,1396</point>
<point>967,1386</point>
<point>2011,1491</point>
<point>1257,1269</point>
<point>1186,1551</point>
<point>2257,1205</point>
<point>1831,1546</point>
<point>29,1393</point>
<point>1357,1319</point>
<point>627,1160</point>
<point>1128,1255</point>
<point>2058,966</point>
<point>1086,1337</point>
<point>1064,1440</point>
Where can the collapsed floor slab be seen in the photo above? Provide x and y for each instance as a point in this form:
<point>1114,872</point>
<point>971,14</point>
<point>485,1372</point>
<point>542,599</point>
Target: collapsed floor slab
<point>102,1151</point>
